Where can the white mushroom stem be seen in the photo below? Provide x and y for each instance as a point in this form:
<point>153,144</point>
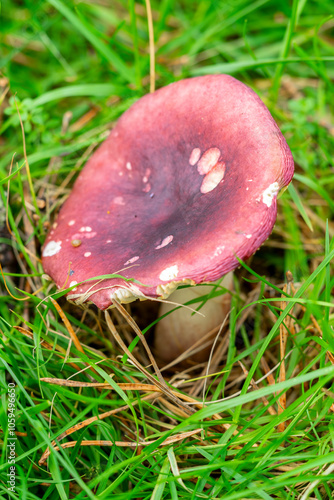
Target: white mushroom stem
<point>181,329</point>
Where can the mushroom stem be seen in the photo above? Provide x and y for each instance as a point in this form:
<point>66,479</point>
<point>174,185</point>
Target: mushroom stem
<point>181,329</point>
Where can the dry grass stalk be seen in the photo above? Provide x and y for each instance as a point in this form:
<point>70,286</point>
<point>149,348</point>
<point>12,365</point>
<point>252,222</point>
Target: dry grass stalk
<point>214,363</point>
<point>151,44</point>
<point>318,329</point>
<point>84,120</point>
<point>285,327</point>
<point>160,384</point>
<point>90,420</point>
<point>198,346</point>
<point>267,371</point>
<point>127,444</point>
<point>56,348</point>
<point>265,401</point>
<point>71,332</point>
<point>131,322</point>
<point>104,415</point>
<point>8,193</point>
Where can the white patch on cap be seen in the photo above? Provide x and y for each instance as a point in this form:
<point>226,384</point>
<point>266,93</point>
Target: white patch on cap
<point>269,194</point>
<point>128,166</point>
<point>165,242</point>
<point>208,161</point>
<point>169,273</point>
<point>79,236</point>
<point>71,222</point>
<point>147,175</point>
<point>72,284</point>
<point>108,241</point>
<point>213,178</point>
<point>131,261</point>
<point>219,251</point>
<point>52,248</point>
<point>119,200</point>
<point>147,188</point>
<point>194,156</point>
<point>248,236</point>
<point>87,254</point>
<point>86,229</point>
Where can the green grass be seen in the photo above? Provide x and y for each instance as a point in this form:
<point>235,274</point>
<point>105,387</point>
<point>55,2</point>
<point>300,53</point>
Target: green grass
<point>70,69</point>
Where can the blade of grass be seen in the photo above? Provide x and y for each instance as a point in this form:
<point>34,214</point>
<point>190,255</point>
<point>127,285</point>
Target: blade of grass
<point>299,204</point>
<point>235,67</point>
<point>109,54</point>
<point>135,39</point>
<point>82,90</point>
<point>285,49</point>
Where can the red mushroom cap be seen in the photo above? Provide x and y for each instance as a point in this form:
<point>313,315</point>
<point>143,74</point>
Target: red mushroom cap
<point>186,181</point>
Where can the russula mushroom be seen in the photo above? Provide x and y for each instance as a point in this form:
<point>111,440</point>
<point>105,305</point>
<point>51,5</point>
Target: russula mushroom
<point>185,183</point>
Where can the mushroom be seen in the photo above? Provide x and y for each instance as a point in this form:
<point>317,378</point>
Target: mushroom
<point>185,184</point>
